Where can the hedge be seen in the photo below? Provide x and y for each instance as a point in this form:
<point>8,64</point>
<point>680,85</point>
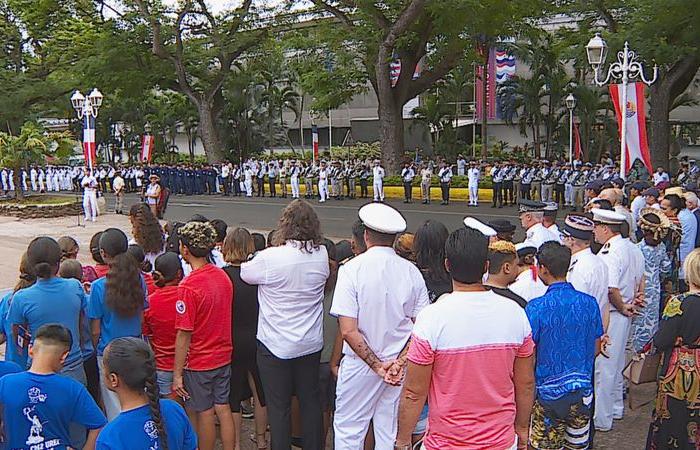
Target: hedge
<point>457,181</point>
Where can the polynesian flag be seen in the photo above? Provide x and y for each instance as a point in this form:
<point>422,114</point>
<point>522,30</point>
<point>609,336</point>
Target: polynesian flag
<point>635,120</point>
<point>577,142</point>
<point>314,140</point>
<point>147,148</point>
<point>89,144</point>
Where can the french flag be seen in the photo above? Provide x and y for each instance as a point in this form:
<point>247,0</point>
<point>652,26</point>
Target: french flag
<point>89,145</point>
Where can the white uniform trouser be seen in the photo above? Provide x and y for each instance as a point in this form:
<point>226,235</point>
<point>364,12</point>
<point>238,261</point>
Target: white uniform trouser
<point>5,186</point>
<point>362,396</point>
<point>378,187</point>
<point>248,188</point>
<point>323,189</point>
<point>34,188</point>
<point>608,374</point>
<point>568,194</point>
<point>295,187</point>
<point>90,204</point>
<point>474,194</point>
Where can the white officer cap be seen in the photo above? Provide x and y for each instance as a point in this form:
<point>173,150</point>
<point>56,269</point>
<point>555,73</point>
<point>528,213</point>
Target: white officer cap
<point>382,218</point>
<point>479,226</point>
<point>607,217</point>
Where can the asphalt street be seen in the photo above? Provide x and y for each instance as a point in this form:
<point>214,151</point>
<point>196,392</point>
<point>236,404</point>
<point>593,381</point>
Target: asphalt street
<point>337,216</point>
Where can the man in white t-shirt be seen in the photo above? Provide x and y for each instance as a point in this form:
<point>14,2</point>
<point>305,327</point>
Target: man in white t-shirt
<point>118,186</point>
<point>660,176</point>
<point>477,377</point>
<point>377,296</point>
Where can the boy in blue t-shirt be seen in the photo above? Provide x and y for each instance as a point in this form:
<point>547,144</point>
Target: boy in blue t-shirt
<point>39,405</point>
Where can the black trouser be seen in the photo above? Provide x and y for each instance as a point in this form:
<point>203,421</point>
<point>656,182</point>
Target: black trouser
<point>364,193</point>
<point>226,182</point>
<point>408,191</point>
<point>261,187</point>
<point>525,191</point>
<point>508,188</point>
<point>559,193</point>
<point>497,188</point>
<point>282,378</point>
<point>273,188</point>
<point>445,188</point>
<point>92,375</point>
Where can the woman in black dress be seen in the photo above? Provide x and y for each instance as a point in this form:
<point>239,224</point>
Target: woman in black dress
<point>676,418</point>
<point>245,380</point>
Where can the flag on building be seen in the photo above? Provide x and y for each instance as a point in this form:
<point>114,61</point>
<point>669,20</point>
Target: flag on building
<point>314,140</point>
<point>490,100</point>
<point>147,148</point>
<point>635,121</point>
<point>505,66</point>
<point>89,144</point>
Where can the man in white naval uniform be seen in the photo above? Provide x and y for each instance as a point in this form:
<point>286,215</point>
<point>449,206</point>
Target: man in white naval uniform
<point>294,172</point>
<point>625,264</point>
<point>376,299</point>
<point>32,176</point>
<point>531,215</point>
<point>473,175</point>
<point>323,175</point>
<point>378,181</point>
<point>587,271</point>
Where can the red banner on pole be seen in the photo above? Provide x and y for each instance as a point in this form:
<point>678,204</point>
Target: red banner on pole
<point>146,148</point>
<point>577,142</point>
<point>635,121</point>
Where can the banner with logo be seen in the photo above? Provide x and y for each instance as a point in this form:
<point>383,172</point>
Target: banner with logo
<point>635,121</point>
<point>146,148</point>
<point>314,140</point>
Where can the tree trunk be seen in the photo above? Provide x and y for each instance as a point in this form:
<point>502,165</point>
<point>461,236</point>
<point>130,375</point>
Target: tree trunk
<point>391,133</point>
<point>208,132</point>
<point>17,180</point>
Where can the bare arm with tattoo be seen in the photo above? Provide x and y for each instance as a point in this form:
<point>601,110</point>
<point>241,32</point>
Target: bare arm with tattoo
<point>351,334</point>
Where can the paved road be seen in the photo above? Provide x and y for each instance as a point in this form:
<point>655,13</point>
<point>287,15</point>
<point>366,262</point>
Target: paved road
<point>336,216</point>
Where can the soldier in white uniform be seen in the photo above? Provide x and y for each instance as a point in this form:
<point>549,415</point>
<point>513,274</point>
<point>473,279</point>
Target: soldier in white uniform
<point>294,172</point>
<point>625,264</point>
<point>473,174</point>
<point>377,297</point>
<point>378,181</point>
<point>531,215</point>
<point>5,185</point>
<point>587,271</point>
<point>323,174</point>
<point>549,220</point>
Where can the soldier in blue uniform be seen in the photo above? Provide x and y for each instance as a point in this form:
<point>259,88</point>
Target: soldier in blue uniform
<point>198,180</point>
<point>189,180</point>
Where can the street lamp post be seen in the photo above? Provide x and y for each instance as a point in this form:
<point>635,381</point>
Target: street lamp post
<point>571,104</point>
<point>87,108</point>
<point>627,67</point>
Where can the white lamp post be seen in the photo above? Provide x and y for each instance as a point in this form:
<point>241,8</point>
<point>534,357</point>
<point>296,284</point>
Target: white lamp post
<point>571,104</point>
<point>86,108</point>
<point>626,68</point>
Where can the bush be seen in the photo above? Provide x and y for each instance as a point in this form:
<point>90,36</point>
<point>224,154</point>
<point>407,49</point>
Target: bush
<point>360,151</point>
<point>457,182</point>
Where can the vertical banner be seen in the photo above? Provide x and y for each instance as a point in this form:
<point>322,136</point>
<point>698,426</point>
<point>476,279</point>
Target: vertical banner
<point>577,142</point>
<point>314,140</point>
<point>637,146</point>
<point>490,79</point>
<point>146,148</point>
<point>89,146</point>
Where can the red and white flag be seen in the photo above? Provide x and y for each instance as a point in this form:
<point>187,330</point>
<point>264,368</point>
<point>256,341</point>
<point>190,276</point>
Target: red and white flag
<point>146,148</point>
<point>314,140</point>
<point>89,144</point>
<point>635,121</point>
<point>577,142</point>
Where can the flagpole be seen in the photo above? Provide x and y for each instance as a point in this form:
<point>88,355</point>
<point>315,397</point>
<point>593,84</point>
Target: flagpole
<point>571,137</point>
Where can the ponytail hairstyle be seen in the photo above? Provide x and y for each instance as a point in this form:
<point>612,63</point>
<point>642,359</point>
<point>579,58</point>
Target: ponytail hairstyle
<point>132,360</point>
<point>95,248</point>
<point>69,247</point>
<point>124,289</point>
<point>137,252</point>
<point>168,269</point>
<point>44,256</point>
<point>26,274</point>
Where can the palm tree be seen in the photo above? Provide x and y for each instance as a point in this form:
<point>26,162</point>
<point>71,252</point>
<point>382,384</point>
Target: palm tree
<point>277,97</point>
<point>525,97</point>
<point>435,114</point>
<point>592,108</point>
<point>31,145</point>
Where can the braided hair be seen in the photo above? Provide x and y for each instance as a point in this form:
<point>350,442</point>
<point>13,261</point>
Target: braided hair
<point>132,360</point>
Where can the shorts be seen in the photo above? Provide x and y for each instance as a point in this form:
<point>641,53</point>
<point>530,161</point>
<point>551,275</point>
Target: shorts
<point>326,387</point>
<point>207,388</point>
<point>563,423</point>
<point>164,378</point>
<point>422,424</point>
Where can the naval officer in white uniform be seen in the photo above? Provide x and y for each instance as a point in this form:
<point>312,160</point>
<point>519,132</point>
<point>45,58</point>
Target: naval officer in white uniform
<point>625,264</point>
<point>531,215</point>
<point>377,297</point>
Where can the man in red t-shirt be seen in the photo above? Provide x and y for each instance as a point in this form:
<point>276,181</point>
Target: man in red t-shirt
<point>203,342</point>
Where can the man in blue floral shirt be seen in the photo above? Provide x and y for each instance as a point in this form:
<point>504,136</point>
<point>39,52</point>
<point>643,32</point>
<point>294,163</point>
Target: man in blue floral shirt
<point>566,328</point>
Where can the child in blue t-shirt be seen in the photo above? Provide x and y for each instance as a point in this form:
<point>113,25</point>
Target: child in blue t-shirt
<point>39,405</point>
<point>146,421</point>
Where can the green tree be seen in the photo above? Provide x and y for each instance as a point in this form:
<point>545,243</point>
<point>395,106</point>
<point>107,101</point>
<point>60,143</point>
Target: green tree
<point>439,33</point>
<point>203,49</point>
<point>32,145</point>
